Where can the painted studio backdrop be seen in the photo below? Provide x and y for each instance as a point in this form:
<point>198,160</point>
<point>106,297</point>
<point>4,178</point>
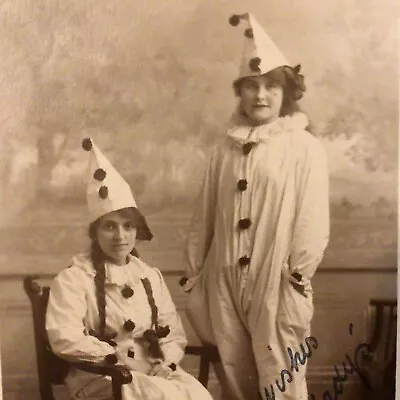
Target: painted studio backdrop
<point>151,83</point>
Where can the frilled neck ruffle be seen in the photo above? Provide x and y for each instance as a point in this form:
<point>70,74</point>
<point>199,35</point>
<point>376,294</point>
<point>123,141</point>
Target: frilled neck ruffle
<point>241,130</point>
<point>119,275</point>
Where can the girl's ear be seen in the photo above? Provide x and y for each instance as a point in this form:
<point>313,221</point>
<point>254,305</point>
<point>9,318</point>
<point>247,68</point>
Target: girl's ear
<point>296,69</point>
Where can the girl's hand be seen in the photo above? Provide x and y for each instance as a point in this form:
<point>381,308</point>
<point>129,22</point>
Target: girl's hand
<point>161,370</point>
<point>299,288</point>
<point>133,364</point>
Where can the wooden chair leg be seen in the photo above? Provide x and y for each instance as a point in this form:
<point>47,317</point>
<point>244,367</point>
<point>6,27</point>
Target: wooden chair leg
<point>117,390</point>
<point>204,370</point>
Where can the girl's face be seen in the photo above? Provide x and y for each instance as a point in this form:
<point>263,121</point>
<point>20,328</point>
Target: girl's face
<point>116,236</point>
<point>261,99</point>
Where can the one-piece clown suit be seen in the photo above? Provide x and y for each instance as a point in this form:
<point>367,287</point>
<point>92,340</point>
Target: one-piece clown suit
<point>262,216</point>
<point>72,313</point>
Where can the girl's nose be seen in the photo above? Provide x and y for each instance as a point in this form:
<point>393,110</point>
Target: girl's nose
<point>262,93</point>
<point>118,233</point>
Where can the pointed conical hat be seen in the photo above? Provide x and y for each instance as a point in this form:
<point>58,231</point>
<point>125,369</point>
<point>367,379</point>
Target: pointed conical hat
<point>106,191</point>
<point>260,54</point>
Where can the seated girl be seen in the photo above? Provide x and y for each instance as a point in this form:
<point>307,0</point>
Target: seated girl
<point>110,307</point>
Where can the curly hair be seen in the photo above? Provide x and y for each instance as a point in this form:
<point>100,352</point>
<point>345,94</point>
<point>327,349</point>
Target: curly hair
<point>292,83</point>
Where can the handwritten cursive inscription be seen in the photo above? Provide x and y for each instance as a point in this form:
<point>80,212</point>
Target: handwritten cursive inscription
<point>350,367</point>
<point>295,359</point>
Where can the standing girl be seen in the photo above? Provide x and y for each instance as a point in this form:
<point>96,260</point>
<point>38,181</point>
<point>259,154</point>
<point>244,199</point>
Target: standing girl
<point>259,230</point>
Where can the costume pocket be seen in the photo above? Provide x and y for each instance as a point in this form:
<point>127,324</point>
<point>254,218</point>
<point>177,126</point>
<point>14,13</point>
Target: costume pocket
<point>198,314</point>
<point>296,309</point>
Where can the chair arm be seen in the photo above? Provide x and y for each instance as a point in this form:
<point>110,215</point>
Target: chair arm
<point>118,373</point>
<point>210,352</point>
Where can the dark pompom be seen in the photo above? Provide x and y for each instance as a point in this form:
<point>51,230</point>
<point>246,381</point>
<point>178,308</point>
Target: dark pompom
<point>131,353</point>
<point>247,148</point>
<point>243,261</point>
<point>172,366</point>
<point>87,144</point>
<point>249,33</point>
<point>163,331</point>
<point>254,64</point>
<point>111,359</point>
<point>244,223</point>
<point>127,292</point>
<point>242,184</point>
<point>234,20</point>
<point>99,174</point>
<point>182,281</point>
<point>103,192</point>
<point>129,325</point>
<point>150,335</point>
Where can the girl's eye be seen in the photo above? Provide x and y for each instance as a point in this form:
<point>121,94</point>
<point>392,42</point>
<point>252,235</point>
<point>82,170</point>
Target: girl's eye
<point>129,225</point>
<point>107,226</point>
<point>250,85</point>
<point>271,86</point>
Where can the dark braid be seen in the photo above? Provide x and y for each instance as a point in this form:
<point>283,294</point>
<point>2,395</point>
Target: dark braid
<point>99,281</point>
<point>150,298</point>
<point>152,336</point>
<point>98,260</point>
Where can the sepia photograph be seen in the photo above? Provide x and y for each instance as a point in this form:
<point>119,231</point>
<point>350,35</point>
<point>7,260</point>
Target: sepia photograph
<point>198,199</point>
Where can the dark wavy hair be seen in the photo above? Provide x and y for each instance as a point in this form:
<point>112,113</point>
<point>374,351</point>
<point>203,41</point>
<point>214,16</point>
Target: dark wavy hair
<point>292,83</point>
<point>98,259</point>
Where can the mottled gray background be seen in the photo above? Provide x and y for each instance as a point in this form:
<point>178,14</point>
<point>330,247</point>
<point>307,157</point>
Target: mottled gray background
<point>150,81</point>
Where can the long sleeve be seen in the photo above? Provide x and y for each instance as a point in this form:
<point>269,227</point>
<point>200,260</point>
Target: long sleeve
<point>201,228</point>
<point>174,344</point>
<point>65,316</point>
<point>311,225</point>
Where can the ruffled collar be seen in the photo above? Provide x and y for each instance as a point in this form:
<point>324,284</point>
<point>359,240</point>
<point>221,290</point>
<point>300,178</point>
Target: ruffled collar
<point>119,275</point>
<point>241,130</point>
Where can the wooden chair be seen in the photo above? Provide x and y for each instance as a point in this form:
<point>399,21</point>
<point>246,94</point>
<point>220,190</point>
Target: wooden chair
<point>380,363</point>
<point>52,370</point>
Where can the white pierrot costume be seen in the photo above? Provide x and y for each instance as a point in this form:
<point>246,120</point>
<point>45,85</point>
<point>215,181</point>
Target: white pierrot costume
<point>72,318</point>
<point>259,229</point>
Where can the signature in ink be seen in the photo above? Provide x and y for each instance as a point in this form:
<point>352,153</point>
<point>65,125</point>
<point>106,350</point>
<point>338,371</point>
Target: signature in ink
<point>350,367</point>
<point>295,358</point>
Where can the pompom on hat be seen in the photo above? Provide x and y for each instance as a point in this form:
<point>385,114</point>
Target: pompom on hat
<point>107,191</point>
<point>260,53</point>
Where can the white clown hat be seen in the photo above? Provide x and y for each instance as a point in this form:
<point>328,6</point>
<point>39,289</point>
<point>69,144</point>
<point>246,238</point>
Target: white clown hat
<point>107,191</point>
<point>260,53</point>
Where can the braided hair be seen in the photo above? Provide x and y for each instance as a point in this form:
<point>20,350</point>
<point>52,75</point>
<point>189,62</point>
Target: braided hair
<point>98,260</point>
<point>153,335</point>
